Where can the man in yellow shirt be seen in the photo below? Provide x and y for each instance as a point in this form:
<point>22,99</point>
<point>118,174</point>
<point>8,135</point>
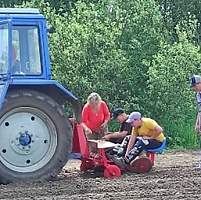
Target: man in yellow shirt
<point>146,134</point>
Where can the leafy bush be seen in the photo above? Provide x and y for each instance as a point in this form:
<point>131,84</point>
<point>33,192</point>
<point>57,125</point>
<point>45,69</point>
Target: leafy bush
<point>120,49</point>
<point>171,98</point>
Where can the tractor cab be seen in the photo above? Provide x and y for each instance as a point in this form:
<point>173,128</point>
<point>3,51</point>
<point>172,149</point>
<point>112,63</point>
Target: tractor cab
<point>23,49</point>
<point>25,53</point>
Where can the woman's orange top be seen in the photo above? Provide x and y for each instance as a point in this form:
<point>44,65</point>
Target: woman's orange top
<point>92,119</point>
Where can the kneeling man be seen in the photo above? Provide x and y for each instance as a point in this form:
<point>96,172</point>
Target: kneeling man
<point>146,134</point>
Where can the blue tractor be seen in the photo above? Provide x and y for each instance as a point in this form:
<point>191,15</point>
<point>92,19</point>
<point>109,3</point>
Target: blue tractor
<point>35,134</point>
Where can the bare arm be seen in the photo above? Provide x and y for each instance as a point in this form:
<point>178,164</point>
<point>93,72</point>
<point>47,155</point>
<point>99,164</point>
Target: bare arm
<point>120,134</point>
<point>85,117</point>
<point>157,131</point>
<point>154,132</point>
<point>86,128</point>
<point>106,113</point>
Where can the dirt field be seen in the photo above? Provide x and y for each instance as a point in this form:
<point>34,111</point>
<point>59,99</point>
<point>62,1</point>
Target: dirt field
<point>172,178</point>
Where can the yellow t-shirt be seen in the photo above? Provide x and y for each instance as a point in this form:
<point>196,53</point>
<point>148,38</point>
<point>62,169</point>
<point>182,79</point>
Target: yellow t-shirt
<point>147,129</point>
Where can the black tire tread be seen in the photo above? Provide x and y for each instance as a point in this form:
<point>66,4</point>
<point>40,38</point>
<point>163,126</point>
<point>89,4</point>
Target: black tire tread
<point>52,171</point>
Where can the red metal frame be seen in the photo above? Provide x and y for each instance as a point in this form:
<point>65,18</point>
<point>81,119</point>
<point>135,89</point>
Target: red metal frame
<point>80,144</point>
<point>152,157</point>
<point>92,161</point>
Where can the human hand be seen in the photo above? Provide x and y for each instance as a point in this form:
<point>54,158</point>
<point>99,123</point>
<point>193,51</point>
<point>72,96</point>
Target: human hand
<point>103,125</point>
<point>88,130</point>
<point>126,158</point>
<point>97,130</point>
<point>106,137</point>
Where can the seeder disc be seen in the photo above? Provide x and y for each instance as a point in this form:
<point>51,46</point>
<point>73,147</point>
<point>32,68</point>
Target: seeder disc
<point>140,165</point>
<point>112,171</point>
<point>86,165</point>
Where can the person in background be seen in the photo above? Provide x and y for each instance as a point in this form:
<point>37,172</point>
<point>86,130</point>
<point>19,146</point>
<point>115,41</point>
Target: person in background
<point>95,117</point>
<point>146,133</point>
<point>196,86</point>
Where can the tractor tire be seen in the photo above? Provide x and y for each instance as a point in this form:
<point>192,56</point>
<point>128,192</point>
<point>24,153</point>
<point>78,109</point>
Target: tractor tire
<point>35,137</point>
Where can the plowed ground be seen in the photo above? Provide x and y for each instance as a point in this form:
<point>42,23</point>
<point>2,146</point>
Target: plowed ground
<point>173,177</point>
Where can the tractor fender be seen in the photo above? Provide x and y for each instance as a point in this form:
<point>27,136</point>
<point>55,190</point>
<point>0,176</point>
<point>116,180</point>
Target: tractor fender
<point>51,88</point>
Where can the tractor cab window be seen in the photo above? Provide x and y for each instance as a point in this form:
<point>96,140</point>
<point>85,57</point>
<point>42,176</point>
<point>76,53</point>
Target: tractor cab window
<point>25,51</point>
<point>3,48</point>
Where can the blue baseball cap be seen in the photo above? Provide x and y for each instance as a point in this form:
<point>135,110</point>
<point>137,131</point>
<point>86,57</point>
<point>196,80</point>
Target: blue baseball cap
<point>134,116</point>
<point>117,112</point>
<point>195,79</point>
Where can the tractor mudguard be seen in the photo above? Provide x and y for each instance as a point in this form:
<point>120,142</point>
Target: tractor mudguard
<point>53,89</point>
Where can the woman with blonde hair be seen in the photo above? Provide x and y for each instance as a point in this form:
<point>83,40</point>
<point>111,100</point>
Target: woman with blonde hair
<point>95,117</point>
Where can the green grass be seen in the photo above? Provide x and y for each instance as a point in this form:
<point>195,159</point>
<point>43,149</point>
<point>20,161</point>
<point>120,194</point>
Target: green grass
<point>181,135</point>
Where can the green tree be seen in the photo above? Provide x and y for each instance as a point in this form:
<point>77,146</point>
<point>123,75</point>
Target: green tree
<point>91,58</point>
<point>103,47</point>
<point>171,98</point>
<point>182,12</point>
<point>142,32</point>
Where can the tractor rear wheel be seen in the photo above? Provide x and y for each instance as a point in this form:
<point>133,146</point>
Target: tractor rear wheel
<point>35,137</point>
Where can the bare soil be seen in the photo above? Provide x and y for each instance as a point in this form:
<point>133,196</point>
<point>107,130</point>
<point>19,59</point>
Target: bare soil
<point>173,177</point>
